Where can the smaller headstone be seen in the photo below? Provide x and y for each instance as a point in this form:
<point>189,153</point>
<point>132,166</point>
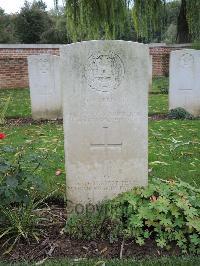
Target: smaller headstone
<point>184,88</point>
<point>45,89</point>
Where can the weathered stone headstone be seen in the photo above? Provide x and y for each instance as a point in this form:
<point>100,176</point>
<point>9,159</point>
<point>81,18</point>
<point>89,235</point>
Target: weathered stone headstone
<point>184,88</point>
<point>105,91</point>
<point>45,89</point>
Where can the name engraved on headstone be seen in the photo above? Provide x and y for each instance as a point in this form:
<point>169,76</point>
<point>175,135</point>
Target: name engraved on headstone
<point>112,116</point>
<point>43,66</point>
<point>104,72</point>
<point>101,185</point>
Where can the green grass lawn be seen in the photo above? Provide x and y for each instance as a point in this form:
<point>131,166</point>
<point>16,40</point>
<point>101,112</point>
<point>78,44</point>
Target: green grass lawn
<point>174,148</point>
<point>20,100</point>
<point>159,83</point>
<point>44,141</point>
<point>19,105</point>
<point>166,261</point>
<point>174,152</point>
<point>158,104</point>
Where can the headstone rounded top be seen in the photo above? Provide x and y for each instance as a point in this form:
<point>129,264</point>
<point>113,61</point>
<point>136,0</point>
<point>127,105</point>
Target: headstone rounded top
<point>103,42</point>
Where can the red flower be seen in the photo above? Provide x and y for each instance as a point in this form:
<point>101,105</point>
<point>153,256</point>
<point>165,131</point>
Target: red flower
<point>2,136</point>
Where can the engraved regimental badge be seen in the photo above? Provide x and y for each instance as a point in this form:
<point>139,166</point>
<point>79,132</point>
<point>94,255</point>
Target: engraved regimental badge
<point>186,60</point>
<point>104,72</point>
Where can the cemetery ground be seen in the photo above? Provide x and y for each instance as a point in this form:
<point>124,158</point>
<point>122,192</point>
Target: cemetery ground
<point>174,153</point>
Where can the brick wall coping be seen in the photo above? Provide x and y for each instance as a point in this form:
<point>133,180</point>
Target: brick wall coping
<point>182,45</point>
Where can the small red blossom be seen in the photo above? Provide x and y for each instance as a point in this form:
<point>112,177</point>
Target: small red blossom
<point>2,136</point>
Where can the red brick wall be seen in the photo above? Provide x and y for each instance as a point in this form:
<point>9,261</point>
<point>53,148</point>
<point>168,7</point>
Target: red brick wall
<point>14,68</point>
<point>160,57</point>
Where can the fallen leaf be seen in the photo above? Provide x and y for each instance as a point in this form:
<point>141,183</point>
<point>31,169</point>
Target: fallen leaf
<point>58,172</point>
<point>104,250</point>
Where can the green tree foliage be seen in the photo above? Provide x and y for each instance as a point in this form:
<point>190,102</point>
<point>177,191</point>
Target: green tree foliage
<point>7,30</point>
<point>88,19</point>
<point>149,19</point>
<point>193,18</point>
<point>172,10</point>
<point>58,31</point>
<point>32,21</point>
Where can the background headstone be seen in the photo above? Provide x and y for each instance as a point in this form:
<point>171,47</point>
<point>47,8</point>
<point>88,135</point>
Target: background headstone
<point>45,89</point>
<point>184,88</point>
<point>105,92</point>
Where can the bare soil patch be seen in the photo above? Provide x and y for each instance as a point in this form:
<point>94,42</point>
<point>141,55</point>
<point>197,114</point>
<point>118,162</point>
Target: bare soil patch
<point>56,244</point>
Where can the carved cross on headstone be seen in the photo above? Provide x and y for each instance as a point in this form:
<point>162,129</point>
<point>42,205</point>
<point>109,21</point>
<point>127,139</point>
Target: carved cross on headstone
<point>106,146</point>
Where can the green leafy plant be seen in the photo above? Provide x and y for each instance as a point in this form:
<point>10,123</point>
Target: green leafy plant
<point>19,177</point>
<point>179,113</point>
<point>20,196</point>
<point>166,211</point>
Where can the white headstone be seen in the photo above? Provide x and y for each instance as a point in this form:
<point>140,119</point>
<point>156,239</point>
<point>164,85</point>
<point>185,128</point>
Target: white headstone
<point>45,89</point>
<point>185,80</point>
<point>105,96</point>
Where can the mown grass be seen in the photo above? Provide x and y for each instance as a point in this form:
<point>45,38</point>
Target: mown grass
<point>159,83</point>
<point>20,103</point>
<point>158,104</point>
<point>45,141</point>
<point>174,152</point>
<point>20,100</point>
<point>174,148</point>
<point>164,261</point>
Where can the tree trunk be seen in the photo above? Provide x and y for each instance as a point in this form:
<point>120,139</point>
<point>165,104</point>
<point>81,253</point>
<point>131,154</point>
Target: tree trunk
<point>183,35</point>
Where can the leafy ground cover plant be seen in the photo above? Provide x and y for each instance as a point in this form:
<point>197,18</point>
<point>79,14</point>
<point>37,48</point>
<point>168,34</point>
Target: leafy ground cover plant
<point>179,113</point>
<point>19,180</point>
<point>166,211</point>
<point>20,191</point>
